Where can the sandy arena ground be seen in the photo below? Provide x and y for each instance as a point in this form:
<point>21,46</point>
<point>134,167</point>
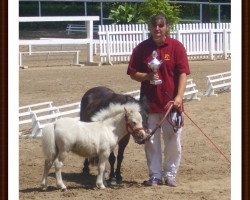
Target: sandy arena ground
<point>204,173</point>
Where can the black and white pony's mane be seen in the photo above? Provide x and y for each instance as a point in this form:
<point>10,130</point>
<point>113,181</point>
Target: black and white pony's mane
<point>114,109</point>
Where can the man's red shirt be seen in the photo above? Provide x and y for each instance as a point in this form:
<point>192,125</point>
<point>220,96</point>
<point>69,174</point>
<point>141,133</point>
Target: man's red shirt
<point>174,62</point>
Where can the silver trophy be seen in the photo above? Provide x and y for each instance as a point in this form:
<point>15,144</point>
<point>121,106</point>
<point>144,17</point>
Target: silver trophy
<point>155,64</point>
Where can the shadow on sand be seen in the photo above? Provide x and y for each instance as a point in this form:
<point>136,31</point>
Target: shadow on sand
<point>86,181</point>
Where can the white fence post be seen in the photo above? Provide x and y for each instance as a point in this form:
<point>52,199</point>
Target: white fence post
<point>30,49</point>
<point>20,59</point>
<point>211,44</point>
<point>77,57</point>
<point>178,36</point>
<point>224,44</point>
<point>108,47</point>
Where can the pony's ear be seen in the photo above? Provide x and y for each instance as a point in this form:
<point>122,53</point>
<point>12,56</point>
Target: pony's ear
<point>125,110</point>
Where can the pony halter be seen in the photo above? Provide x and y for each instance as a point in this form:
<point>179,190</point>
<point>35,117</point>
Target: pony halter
<point>130,129</point>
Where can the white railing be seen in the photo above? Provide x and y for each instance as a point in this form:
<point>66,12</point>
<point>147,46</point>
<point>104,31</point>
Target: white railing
<point>199,26</point>
<point>190,93</point>
<point>79,28</point>
<point>48,54</point>
<point>221,81</point>
<point>25,111</point>
<point>57,43</point>
<point>202,41</point>
<point>117,41</point>
<point>38,115</point>
<point>89,24</point>
<point>205,44</point>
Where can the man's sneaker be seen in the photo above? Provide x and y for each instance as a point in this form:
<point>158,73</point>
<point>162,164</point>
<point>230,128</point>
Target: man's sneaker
<point>170,181</point>
<point>153,182</point>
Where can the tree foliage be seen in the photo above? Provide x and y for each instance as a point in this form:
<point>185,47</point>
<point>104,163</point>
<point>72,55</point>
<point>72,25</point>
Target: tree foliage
<point>141,12</point>
<point>153,7</point>
<point>125,13</point>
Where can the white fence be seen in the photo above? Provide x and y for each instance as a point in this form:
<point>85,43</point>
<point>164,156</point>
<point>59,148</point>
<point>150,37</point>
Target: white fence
<point>79,28</point>
<point>89,25</point>
<point>221,81</point>
<point>118,41</point>
<point>25,111</point>
<point>198,26</point>
<point>202,41</point>
<point>38,115</point>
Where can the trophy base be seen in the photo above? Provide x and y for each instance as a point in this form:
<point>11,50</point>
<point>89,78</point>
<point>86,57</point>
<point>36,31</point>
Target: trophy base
<point>156,82</point>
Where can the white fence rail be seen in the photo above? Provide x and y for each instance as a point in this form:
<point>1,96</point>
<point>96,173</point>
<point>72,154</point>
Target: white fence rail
<point>202,41</point>
<point>25,111</point>
<point>205,44</point>
<point>38,115</point>
<point>73,55</point>
<point>117,41</point>
<point>79,28</point>
<point>199,26</point>
<point>221,81</point>
<point>56,43</point>
<point>89,20</point>
<point>191,91</point>
<point>39,121</point>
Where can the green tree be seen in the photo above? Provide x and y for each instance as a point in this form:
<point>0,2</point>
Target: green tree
<point>153,7</point>
<point>125,13</point>
<point>142,12</point>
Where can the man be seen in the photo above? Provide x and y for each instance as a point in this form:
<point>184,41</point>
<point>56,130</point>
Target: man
<point>173,72</point>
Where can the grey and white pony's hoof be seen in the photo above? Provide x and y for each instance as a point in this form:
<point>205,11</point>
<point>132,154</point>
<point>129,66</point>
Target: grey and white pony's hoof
<point>63,189</point>
<point>44,187</point>
<point>100,186</point>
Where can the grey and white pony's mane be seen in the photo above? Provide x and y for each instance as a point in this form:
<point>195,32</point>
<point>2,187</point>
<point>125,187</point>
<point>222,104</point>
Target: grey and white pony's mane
<point>114,109</point>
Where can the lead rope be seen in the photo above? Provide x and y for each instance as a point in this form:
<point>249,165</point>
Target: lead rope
<point>208,138</point>
<point>169,107</point>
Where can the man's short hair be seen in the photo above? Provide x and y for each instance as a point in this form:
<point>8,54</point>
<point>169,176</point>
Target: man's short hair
<point>159,17</point>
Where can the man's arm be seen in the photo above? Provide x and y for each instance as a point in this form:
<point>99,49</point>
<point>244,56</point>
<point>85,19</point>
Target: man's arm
<point>140,77</point>
<point>181,89</point>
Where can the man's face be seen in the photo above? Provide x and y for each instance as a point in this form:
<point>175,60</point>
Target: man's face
<point>158,30</point>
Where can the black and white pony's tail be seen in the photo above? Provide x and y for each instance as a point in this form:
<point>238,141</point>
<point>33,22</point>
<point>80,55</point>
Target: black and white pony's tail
<point>48,142</point>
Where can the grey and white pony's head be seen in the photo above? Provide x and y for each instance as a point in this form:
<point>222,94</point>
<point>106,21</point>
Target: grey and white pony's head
<point>132,115</point>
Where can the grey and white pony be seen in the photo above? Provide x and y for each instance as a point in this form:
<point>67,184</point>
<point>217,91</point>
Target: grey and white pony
<point>93,101</point>
<point>90,139</point>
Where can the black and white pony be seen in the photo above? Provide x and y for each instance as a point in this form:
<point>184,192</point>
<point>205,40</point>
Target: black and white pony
<point>90,139</point>
<point>98,98</point>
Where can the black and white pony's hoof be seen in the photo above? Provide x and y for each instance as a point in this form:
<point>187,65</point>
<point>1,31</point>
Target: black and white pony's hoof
<point>112,181</point>
<point>85,172</point>
<point>115,181</point>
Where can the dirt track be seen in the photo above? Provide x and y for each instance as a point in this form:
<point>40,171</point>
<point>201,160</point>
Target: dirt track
<point>204,173</point>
